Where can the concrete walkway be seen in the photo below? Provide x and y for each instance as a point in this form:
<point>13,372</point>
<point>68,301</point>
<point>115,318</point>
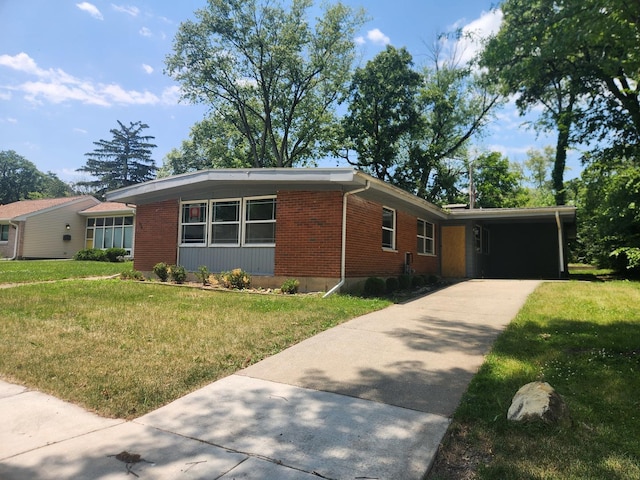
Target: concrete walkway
<point>369,399</point>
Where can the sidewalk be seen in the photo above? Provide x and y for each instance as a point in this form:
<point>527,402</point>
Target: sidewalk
<point>370,399</point>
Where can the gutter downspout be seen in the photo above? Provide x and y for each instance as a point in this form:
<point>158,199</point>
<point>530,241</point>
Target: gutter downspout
<point>343,252</point>
<point>16,240</point>
<point>560,243</point>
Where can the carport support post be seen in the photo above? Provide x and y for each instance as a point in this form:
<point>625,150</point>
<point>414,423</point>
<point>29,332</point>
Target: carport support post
<point>560,244</point>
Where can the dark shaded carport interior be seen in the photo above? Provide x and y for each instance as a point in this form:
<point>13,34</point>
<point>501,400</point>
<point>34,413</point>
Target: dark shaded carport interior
<point>521,250</point>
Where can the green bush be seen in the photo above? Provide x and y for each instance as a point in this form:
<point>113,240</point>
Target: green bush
<point>178,273</point>
<point>290,285</point>
<point>203,274</point>
<point>161,270</point>
<point>417,281</point>
<point>91,254</point>
<point>132,275</point>
<point>432,279</point>
<point>392,284</point>
<point>405,282</point>
<point>374,287</point>
<point>236,278</point>
<point>115,254</point>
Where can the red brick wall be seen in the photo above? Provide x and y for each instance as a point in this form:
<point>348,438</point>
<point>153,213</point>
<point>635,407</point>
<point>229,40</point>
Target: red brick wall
<point>156,234</point>
<point>365,256</point>
<point>308,234</point>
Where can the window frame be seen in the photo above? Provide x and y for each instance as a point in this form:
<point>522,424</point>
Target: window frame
<point>244,213</point>
<point>238,222</point>
<point>205,223</point>
<point>120,224</point>
<point>8,232</point>
<point>424,238</point>
<point>392,229</point>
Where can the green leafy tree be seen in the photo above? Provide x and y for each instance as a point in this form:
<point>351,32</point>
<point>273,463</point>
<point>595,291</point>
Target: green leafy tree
<point>122,161</point>
<point>537,167</point>
<point>383,111</point>
<point>270,72</point>
<point>19,178</point>
<point>496,182</point>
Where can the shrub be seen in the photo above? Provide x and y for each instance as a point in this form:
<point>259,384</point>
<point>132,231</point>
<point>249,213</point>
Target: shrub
<point>374,287</point>
<point>236,278</point>
<point>132,275</point>
<point>290,286</point>
<point>91,254</point>
<point>203,274</point>
<point>392,284</point>
<point>178,273</point>
<point>405,282</point>
<point>162,271</point>
<point>432,279</point>
<point>417,281</point>
<point>115,254</point>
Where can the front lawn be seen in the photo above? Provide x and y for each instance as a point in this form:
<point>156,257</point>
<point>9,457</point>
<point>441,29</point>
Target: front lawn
<point>123,348</point>
<point>21,271</point>
<point>584,339</point>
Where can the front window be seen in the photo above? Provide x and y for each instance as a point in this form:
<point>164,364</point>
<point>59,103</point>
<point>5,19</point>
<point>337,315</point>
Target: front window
<point>426,244</point>
<point>4,233</point>
<point>194,223</point>
<point>260,221</point>
<point>388,228</point>
<point>225,222</point>
<point>109,232</point>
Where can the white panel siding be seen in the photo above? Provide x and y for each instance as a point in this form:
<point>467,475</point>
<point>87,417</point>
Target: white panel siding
<point>254,260</point>
<point>44,231</point>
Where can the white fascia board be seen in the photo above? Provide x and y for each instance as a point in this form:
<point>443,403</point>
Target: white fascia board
<point>513,213</point>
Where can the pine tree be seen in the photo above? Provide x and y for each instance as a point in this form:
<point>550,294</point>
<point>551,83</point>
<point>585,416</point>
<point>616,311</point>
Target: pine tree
<point>122,161</point>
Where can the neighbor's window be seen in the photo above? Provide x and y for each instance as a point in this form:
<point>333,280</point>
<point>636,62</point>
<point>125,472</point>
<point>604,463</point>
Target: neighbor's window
<point>4,233</point>
<point>194,223</point>
<point>109,232</point>
<point>225,222</point>
<point>426,244</point>
<point>388,228</point>
<point>260,221</point>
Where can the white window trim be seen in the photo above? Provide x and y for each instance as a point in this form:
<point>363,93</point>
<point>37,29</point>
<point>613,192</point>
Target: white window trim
<point>210,223</point>
<point>207,223</point>
<point>392,230</point>
<point>433,239</point>
<point>243,233</point>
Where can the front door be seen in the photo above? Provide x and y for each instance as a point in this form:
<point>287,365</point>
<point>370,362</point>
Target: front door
<point>454,261</point>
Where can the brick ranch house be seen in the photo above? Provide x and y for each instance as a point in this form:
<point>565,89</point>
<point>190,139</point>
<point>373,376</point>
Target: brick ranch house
<point>334,227</point>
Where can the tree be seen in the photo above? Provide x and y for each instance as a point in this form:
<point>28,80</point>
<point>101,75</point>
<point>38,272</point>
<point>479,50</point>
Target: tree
<point>268,72</point>
<point>18,177</point>
<point>122,161</point>
<point>382,111</point>
<point>497,184</point>
<point>538,165</point>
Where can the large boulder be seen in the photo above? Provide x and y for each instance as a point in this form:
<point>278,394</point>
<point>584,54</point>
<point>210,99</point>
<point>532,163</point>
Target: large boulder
<point>538,401</point>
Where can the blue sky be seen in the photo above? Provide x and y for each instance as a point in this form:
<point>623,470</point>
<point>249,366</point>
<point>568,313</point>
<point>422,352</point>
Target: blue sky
<point>70,69</point>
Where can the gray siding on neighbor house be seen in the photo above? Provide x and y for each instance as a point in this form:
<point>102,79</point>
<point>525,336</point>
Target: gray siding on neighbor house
<point>254,260</point>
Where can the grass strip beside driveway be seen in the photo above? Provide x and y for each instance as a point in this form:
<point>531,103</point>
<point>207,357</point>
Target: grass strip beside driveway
<point>123,348</point>
<point>584,339</point>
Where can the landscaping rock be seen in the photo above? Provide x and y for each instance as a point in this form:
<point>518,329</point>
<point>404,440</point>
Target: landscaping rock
<point>538,401</point>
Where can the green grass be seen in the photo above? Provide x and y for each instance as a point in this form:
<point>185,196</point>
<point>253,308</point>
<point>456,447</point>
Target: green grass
<point>123,348</point>
<point>584,339</point>
<point>22,271</point>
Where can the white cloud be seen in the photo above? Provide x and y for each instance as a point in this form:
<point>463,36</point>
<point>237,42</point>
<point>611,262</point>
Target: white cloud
<point>145,32</point>
<point>147,68</point>
<point>473,36</point>
<point>80,130</point>
<point>5,95</point>
<point>90,9</point>
<point>128,9</point>
<point>376,37</point>
<point>9,120</point>
<point>56,86</point>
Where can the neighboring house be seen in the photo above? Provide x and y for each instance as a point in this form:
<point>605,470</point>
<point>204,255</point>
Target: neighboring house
<point>331,227</point>
<point>58,227</point>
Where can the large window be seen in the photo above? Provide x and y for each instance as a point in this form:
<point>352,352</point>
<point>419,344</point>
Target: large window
<point>225,222</point>
<point>4,233</point>
<point>426,244</point>
<point>110,232</point>
<point>260,221</point>
<point>388,228</point>
<point>194,223</point>
<point>229,222</point>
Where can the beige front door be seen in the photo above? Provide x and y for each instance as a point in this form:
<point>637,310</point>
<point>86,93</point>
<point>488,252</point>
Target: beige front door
<point>453,252</point>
